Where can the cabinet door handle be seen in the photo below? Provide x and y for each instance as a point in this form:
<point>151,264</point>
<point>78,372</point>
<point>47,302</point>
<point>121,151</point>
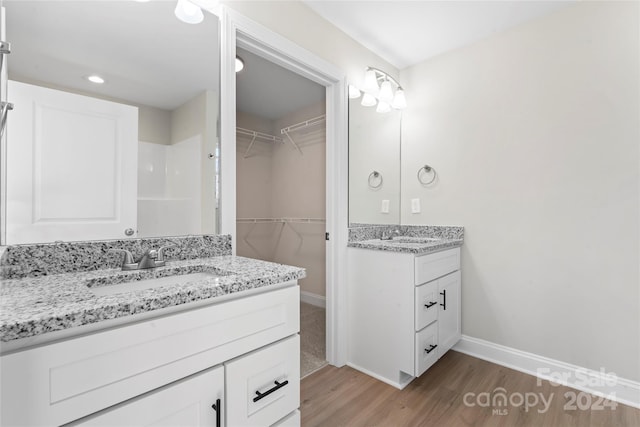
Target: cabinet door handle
<point>431,304</point>
<point>431,348</point>
<point>277,386</point>
<point>444,299</point>
<point>216,407</point>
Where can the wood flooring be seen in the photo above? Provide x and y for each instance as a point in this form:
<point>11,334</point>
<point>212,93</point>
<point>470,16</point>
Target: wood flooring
<point>335,397</point>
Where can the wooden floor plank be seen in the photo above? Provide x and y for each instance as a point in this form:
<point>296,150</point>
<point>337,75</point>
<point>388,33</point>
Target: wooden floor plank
<point>335,397</point>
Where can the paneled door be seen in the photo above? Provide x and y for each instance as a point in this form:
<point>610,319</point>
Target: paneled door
<point>195,401</point>
<point>72,167</point>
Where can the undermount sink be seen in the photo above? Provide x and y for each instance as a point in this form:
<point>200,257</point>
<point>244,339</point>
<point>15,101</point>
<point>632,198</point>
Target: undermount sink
<point>151,283</point>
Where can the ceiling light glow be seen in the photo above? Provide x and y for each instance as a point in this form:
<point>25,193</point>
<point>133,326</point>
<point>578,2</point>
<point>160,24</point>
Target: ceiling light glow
<point>239,64</point>
<point>188,12</point>
<point>95,79</point>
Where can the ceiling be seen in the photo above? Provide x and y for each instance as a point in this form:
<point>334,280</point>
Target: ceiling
<point>147,56</point>
<point>267,90</point>
<point>405,33</point>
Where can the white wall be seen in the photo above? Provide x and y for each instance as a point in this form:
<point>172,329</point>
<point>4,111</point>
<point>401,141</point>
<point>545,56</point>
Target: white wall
<point>535,135</point>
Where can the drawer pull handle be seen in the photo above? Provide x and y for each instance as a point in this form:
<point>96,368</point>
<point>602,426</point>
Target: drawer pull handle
<point>271,390</point>
<point>444,299</point>
<point>216,407</point>
<point>431,348</point>
<point>431,304</point>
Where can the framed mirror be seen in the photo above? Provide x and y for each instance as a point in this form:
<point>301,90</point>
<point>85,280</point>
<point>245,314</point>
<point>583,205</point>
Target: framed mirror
<point>114,131</point>
<point>374,165</point>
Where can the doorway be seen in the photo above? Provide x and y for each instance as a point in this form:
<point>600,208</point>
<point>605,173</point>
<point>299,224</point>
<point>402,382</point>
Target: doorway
<point>239,31</point>
<point>280,184</point>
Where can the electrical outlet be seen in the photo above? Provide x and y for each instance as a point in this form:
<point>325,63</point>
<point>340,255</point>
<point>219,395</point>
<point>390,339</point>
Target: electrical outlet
<point>415,206</point>
<point>384,208</point>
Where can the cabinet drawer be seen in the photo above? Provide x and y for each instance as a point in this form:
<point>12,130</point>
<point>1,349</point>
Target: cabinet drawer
<point>426,299</point>
<point>426,348</point>
<point>264,386</point>
<point>429,267</point>
<point>74,378</point>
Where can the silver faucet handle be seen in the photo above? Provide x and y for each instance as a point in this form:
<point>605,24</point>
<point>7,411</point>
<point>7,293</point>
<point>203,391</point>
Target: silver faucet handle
<point>128,257</point>
<point>161,251</point>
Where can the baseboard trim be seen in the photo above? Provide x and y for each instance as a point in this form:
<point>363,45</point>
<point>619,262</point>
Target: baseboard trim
<point>397,385</point>
<point>599,383</point>
<point>313,299</point>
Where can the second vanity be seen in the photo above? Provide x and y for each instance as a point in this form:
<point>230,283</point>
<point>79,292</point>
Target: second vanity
<point>213,350</point>
<point>404,301</point>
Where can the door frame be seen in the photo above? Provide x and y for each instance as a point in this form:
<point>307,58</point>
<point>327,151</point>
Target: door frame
<point>238,30</point>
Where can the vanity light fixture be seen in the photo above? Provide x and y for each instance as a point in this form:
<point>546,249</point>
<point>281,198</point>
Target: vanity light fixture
<point>94,78</point>
<point>368,100</point>
<point>188,12</point>
<point>354,92</point>
<point>383,107</point>
<point>379,89</point>
<point>239,64</point>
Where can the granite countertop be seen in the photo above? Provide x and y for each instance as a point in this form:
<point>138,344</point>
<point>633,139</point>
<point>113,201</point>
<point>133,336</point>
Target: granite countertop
<point>36,305</point>
<point>412,245</point>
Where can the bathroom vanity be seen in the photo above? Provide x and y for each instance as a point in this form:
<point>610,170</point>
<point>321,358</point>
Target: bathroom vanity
<point>219,348</point>
<point>404,304</point>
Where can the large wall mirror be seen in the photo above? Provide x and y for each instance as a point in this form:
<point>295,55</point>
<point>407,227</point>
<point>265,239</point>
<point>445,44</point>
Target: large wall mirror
<point>374,165</point>
<point>134,156</point>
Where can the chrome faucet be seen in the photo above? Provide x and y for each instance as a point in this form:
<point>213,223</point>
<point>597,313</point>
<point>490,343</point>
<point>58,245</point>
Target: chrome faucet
<point>389,235</point>
<point>150,259</point>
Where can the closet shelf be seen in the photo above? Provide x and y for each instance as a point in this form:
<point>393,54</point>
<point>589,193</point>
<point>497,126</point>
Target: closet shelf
<point>281,220</point>
<point>256,135</point>
<point>302,125</point>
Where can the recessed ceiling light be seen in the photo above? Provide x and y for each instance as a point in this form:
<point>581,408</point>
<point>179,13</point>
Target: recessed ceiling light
<point>239,64</point>
<point>95,79</point>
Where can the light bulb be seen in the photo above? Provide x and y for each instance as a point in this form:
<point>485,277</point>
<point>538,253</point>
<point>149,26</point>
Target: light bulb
<point>354,92</point>
<point>239,64</point>
<point>371,82</point>
<point>368,100</point>
<point>383,107</point>
<point>188,12</point>
<point>399,101</point>
<point>386,92</point>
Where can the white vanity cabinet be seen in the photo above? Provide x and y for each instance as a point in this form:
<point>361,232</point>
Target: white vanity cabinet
<point>404,311</point>
<point>169,370</point>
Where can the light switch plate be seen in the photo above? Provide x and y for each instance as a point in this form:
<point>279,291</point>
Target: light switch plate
<point>415,205</point>
<point>384,208</point>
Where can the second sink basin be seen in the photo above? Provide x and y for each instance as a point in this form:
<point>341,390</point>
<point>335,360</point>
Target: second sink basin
<point>151,283</point>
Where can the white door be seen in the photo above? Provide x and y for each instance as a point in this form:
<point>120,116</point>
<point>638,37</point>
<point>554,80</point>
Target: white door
<point>71,166</point>
<point>194,401</point>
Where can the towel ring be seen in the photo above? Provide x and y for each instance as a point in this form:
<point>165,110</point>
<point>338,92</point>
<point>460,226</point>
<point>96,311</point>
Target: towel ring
<point>373,176</point>
<point>427,169</point>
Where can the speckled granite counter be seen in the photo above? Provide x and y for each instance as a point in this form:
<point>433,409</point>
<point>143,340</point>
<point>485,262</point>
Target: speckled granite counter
<point>409,239</point>
<point>419,246</point>
<point>32,306</point>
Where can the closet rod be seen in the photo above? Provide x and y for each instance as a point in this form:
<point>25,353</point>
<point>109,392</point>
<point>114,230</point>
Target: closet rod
<point>302,125</point>
<point>281,220</point>
<point>307,123</point>
<point>253,133</point>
